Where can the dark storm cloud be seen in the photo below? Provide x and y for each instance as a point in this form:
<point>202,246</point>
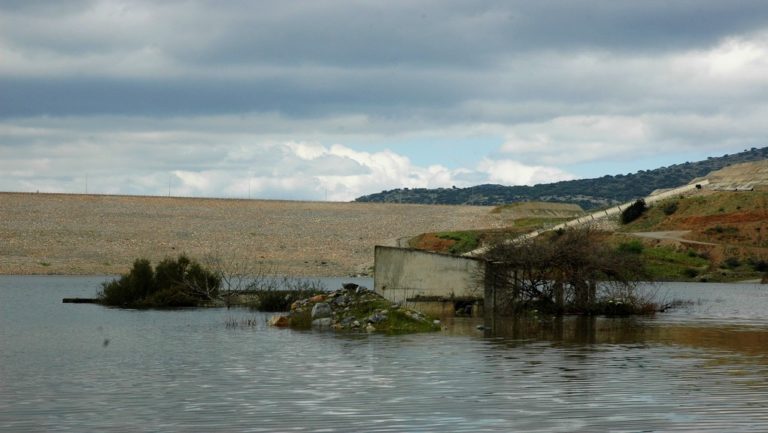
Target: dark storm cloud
<point>340,56</point>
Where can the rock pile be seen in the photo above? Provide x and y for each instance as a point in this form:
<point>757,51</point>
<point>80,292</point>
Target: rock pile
<point>355,308</point>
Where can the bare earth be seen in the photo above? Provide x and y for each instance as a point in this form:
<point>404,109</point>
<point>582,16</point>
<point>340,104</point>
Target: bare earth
<point>98,235</point>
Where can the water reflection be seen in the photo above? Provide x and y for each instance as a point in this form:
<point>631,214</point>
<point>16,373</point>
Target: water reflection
<point>703,369</point>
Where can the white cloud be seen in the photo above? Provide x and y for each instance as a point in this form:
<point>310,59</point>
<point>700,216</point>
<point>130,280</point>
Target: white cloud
<point>229,97</point>
<point>510,172</point>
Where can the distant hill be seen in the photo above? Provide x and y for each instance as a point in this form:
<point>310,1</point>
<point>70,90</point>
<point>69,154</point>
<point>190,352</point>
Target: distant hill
<point>587,193</point>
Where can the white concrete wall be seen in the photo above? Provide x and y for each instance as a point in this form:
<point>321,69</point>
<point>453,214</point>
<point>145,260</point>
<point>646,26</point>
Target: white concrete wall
<point>401,274</point>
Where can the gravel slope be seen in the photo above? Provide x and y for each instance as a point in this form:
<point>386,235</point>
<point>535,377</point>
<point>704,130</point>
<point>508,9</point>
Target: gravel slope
<point>96,234</point>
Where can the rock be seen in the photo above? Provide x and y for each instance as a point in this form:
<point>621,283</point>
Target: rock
<point>279,321</point>
<point>370,328</point>
<point>341,300</point>
<point>349,286</point>
<point>318,298</point>
<point>355,324</point>
<point>436,322</point>
<point>322,323</point>
<point>376,318</point>
<point>321,310</point>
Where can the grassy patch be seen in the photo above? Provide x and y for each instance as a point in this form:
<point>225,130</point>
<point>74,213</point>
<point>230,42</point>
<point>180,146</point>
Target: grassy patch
<point>463,242</point>
<point>670,264</point>
<point>398,322</point>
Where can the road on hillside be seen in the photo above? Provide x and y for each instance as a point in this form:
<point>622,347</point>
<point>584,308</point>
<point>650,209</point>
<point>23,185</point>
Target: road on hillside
<point>671,235</point>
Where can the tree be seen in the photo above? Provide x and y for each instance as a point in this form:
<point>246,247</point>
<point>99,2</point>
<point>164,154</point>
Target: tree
<point>634,211</point>
<point>570,271</point>
<point>180,282</point>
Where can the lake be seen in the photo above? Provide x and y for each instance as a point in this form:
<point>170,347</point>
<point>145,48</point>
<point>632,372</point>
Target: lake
<point>86,368</point>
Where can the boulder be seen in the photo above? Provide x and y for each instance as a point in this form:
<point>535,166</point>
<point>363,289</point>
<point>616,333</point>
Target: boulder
<point>279,321</point>
<point>317,298</point>
<point>322,323</point>
<point>321,310</point>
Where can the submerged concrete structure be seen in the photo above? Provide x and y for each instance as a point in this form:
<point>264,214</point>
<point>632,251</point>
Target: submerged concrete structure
<point>430,282</point>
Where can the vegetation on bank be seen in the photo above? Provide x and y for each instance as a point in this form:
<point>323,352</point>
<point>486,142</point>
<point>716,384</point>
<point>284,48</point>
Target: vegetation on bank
<point>633,212</point>
<point>573,271</point>
<point>276,295</point>
<point>463,242</point>
<point>727,234</point>
<point>179,282</point>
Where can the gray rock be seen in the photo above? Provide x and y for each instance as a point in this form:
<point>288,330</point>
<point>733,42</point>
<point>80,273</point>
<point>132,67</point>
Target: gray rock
<point>321,310</point>
<point>376,318</point>
<point>341,300</point>
<point>322,323</point>
<point>355,324</point>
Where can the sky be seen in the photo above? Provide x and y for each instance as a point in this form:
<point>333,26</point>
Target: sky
<point>334,99</point>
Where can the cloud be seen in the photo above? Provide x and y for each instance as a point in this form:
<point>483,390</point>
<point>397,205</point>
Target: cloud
<point>510,172</point>
<point>300,100</point>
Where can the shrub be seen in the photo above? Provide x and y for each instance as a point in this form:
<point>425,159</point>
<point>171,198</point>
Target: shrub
<point>633,247</point>
<point>278,294</point>
<point>691,273</point>
<point>633,212</point>
<point>731,263</point>
<point>759,265</point>
<point>173,283</point>
<point>670,208</point>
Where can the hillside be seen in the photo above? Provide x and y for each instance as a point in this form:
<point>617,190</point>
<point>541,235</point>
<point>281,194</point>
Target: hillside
<point>710,236</point>
<point>588,193</point>
<point>516,218</point>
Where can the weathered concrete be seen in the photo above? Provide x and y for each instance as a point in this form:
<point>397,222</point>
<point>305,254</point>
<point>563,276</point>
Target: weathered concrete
<point>403,275</point>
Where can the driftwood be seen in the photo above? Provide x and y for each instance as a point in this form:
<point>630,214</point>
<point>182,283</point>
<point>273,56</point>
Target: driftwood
<point>80,300</point>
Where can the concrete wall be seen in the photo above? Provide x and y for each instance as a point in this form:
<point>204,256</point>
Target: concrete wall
<point>401,274</point>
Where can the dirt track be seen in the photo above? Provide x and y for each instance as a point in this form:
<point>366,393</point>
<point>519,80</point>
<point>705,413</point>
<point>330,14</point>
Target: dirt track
<point>94,234</point>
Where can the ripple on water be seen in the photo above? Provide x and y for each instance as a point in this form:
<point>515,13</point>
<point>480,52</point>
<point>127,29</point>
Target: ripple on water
<point>186,371</point>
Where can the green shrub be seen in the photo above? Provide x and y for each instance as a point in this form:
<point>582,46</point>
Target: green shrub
<point>690,272</point>
<point>759,265</point>
<point>731,262</point>
<point>276,294</point>
<point>633,212</point>
<point>633,247</point>
<point>173,283</point>
<point>670,208</point>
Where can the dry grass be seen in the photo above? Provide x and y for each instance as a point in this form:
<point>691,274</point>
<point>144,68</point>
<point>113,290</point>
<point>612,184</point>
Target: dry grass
<point>96,234</point>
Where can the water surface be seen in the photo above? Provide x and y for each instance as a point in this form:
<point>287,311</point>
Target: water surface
<point>83,368</point>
